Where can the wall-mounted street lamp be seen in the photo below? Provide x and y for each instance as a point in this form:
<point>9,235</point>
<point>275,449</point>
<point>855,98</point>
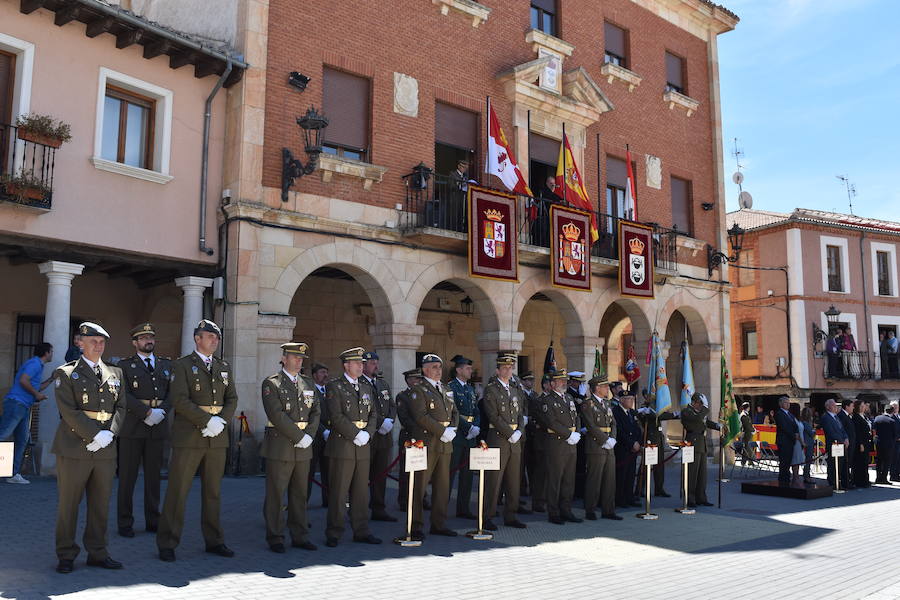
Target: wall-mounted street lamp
<point>313,125</point>
<point>819,336</point>
<point>467,306</point>
<point>716,258</point>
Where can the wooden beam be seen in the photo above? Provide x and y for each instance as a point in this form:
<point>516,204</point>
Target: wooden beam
<point>176,61</point>
<point>29,6</point>
<point>66,15</point>
<point>204,68</point>
<point>128,37</point>
<point>98,26</point>
<point>157,48</point>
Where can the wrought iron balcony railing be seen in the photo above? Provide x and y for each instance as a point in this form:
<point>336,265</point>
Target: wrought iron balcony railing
<point>26,169</point>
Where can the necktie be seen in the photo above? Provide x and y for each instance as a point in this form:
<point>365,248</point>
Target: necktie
<point>437,386</point>
<point>98,372</point>
<point>208,363</point>
<point>149,364</point>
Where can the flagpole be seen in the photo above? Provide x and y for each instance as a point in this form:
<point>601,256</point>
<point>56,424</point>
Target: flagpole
<point>599,176</point>
<point>487,133</point>
<point>628,181</point>
<point>565,183</point>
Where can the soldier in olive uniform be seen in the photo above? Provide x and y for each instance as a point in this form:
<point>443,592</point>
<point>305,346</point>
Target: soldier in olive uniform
<point>382,442</point>
<point>503,408</point>
<point>652,423</point>
<point>469,429</point>
<point>319,461</point>
<point>535,462</point>
<point>600,439</point>
<point>351,411</point>
<point>146,428</point>
<point>559,418</point>
<point>203,396</point>
<point>92,411</point>
<point>695,418</point>
<point>290,402</point>
<point>413,377</point>
<point>434,420</point>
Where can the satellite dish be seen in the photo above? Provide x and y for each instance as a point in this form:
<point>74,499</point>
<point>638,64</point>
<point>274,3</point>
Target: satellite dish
<point>745,199</point>
<point>738,178</point>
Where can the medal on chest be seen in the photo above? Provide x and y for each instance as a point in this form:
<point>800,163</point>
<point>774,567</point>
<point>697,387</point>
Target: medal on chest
<point>84,397</point>
<point>308,397</point>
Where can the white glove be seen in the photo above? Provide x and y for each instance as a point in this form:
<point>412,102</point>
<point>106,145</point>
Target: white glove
<point>305,442</point>
<point>93,447</point>
<point>325,434</point>
<point>515,436</point>
<point>573,438</point>
<point>474,430</point>
<point>386,427</point>
<point>207,432</point>
<point>216,425</point>
<point>525,418</point>
<point>362,438</point>
<point>449,434</point>
<point>644,410</point>
<point>610,443</point>
<point>155,417</point>
<point>104,438</point>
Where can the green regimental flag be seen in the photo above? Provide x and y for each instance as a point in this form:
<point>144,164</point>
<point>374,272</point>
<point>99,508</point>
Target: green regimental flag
<point>728,415</point>
<point>599,371</point>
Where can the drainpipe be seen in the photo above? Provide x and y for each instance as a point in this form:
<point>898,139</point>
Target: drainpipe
<point>204,161</point>
<point>862,264</point>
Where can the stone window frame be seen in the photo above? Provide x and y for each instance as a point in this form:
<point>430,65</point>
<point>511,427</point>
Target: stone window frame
<point>477,12</point>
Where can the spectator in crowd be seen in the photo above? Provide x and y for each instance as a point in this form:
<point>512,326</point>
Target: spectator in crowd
<point>862,426</point>
<point>891,352</point>
<point>895,459</point>
<point>74,351</point>
<point>798,456</point>
<point>26,390</point>
<point>834,434</point>
<point>759,417</point>
<point>833,352</point>
<point>747,431</point>
<point>628,444</point>
<point>787,435</point>
<point>848,354</point>
<point>850,453</point>
<point>770,418</point>
<point>885,439</point>
<point>809,439</point>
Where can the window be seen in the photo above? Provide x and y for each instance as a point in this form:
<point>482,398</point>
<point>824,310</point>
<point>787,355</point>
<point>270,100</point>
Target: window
<point>542,159</point>
<point>128,128</point>
<point>29,333</point>
<point>747,276</point>
<point>681,205</point>
<point>616,181</point>
<point>882,259</point>
<point>455,138</point>
<point>346,102</point>
<point>675,74</point>
<point>543,16</point>
<point>749,348</point>
<point>835,275</point>
<point>615,39</point>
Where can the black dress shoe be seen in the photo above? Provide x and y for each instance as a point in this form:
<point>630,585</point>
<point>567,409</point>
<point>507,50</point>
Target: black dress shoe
<point>488,525</point>
<point>307,545</point>
<point>557,520</point>
<point>663,494</point>
<point>468,516</point>
<point>65,565</point>
<point>126,532</point>
<point>517,524</point>
<point>331,542</point>
<point>277,548</point>
<point>524,511</point>
<point>383,516</point>
<point>443,531</point>
<point>590,515</point>
<point>368,539</point>
<point>106,563</point>
<point>221,550</point>
<point>167,554</point>
<point>706,504</point>
<point>612,516</point>
<point>573,519</point>
<point>417,536</point>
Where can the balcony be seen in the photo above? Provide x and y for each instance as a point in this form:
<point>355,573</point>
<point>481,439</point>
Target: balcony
<point>26,170</point>
<point>435,213</point>
<point>861,365</point>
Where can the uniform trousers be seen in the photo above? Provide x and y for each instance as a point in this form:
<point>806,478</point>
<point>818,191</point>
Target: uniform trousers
<point>291,477</point>
<point>348,476</point>
<point>185,462</point>
<point>75,478</point>
<point>561,459</point>
<point>133,453</point>
<point>601,482</point>
<point>510,479</point>
<point>438,473</point>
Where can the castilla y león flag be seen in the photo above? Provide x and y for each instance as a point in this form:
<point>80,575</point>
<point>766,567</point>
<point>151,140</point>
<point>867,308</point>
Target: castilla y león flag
<point>569,180</point>
<point>501,161</point>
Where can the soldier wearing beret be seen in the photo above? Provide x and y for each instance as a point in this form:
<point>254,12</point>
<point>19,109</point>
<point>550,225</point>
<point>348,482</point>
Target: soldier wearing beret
<point>600,439</point>
<point>382,442</point>
<point>292,408</point>
<point>469,429</point>
<point>413,377</point>
<point>503,408</point>
<point>146,428</point>
<point>434,420</point>
<point>559,419</point>
<point>202,392</point>
<point>92,411</point>
<point>352,417</point>
<point>695,418</point>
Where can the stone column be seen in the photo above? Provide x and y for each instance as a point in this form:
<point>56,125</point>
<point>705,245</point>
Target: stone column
<point>580,352</point>
<point>193,308</point>
<point>272,331</point>
<point>490,343</point>
<point>57,315</point>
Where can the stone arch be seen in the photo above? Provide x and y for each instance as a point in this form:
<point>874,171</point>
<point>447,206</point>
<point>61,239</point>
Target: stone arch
<point>611,323</point>
<point>640,323</point>
<point>692,314</point>
<point>457,273</point>
<point>571,311</point>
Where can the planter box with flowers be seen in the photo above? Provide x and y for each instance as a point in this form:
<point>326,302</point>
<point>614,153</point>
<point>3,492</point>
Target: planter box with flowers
<point>25,188</point>
<point>43,129</point>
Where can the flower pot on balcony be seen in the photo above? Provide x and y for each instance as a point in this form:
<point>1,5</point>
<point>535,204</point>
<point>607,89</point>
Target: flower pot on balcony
<point>39,138</point>
<point>24,192</point>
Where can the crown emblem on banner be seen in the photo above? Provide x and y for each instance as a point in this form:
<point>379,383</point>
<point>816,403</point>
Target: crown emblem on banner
<point>571,232</point>
<point>492,214</point>
<point>636,245</point>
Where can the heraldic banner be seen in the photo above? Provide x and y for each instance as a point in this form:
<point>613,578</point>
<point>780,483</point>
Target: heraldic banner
<point>493,247</point>
<point>635,260</point>
<point>570,250</point>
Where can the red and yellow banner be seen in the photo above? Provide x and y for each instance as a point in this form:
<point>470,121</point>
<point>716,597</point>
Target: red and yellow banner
<point>493,247</point>
<point>570,248</point>
<point>635,260</point>
<point>571,185</point>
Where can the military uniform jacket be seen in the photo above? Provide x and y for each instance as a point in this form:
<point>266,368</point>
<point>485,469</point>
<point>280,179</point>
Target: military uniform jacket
<point>746,428</point>
<point>467,405</point>
<point>192,386</point>
<point>323,415</point>
<point>627,429</point>
<point>403,414</point>
<point>140,384</point>
<point>504,412</point>
<point>653,422</point>
<point>431,412</point>
<point>347,406</point>
<point>559,417</point>
<point>79,390</point>
<point>385,408</point>
<point>597,418</point>
<point>288,406</point>
<point>695,425</point>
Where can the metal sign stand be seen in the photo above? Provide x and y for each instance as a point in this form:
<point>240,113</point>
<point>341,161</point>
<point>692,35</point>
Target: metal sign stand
<point>651,453</point>
<point>480,534</point>
<point>408,541</point>
<point>686,459</point>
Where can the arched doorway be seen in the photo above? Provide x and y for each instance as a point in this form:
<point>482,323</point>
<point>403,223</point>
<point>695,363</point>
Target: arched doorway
<point>624,327</point>
<point>542,322</point>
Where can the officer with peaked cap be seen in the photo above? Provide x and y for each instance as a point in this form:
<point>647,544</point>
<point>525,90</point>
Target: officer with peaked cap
<point>600,439</point>
<point>559,419</point>
<point>469,430</point>
<point>383,441</point>
<point>695,418</point>
<point>92,411</point>
<point>145,431</point>
<point>293,410</point>
<point>202,392</point>
<point>413,377</point>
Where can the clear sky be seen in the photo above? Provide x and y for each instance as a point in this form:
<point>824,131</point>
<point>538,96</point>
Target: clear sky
<point>811,89</point>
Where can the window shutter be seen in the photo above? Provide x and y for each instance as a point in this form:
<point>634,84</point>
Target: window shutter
<point>614,39</point>
<point>543,149</point>
<point>345,101</point>
<point>7,75</point>
<point>455,127</point>
<point>674,70</point>
<point>547,5</point>
<point>616,172</point>
<point>681,204</point>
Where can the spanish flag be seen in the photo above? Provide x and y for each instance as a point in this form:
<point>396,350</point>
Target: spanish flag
<point>569,180</point>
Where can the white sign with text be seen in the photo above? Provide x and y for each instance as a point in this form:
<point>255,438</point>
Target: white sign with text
<point>651,456</point>
<point>484,460</point>
<point>416,459</point>
<point>837,450</point>
<point>6,459</point>
<point>687,454</point>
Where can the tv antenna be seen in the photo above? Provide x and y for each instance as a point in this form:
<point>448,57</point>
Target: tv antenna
<point>851,190</point>
<point>745,200</point>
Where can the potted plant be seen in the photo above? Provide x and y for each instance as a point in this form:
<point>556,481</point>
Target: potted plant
<point>43,129</point>
<point>25,186</point>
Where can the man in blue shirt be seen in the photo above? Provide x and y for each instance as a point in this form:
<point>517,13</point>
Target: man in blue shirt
<point>25,391</point>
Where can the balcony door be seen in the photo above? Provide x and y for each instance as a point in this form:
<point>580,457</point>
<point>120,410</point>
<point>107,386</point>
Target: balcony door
<point>7,83</point>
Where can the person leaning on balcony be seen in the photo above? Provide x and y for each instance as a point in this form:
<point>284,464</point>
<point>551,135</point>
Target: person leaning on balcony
<point>848,356</point>
<point>833,353</point>
<point>454,215</point>
<point>892,353</point>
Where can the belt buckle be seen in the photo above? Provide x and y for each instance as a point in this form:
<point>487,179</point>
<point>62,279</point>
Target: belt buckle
<point>103,416</point>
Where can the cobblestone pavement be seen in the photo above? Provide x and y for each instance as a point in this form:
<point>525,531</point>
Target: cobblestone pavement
<point>754,547</point>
